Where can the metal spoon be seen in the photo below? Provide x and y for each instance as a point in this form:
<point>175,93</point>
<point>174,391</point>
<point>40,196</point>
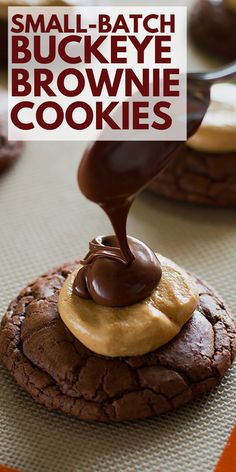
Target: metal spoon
<point>227,72</point>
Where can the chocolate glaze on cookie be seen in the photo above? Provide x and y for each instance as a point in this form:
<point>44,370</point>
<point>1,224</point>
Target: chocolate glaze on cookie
<point>111,174</point>
<point>62,374</point>
<point>131,283</point>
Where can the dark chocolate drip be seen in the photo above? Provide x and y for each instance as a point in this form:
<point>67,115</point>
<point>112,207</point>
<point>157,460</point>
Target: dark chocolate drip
<point>101,247</point>
<point>118,271</point>
<point>109,280</point>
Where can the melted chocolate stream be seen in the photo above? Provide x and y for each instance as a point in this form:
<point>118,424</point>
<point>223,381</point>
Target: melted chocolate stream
<point>118,270</point>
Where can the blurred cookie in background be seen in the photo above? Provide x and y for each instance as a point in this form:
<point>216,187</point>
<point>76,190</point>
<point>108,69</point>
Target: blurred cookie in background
<point>9,150</point>
<point>204,171</point>
<point>212,27</point>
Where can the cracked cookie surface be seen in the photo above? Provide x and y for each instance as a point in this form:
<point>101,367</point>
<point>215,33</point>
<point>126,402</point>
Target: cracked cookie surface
<point>60,373</point>
<point>199,177</point>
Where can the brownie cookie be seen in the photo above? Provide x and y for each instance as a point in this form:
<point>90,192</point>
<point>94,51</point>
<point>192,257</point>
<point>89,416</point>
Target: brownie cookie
<point>60,373</point>
<point>199,177</point>
<point>204,170</point>
<point>9,150</point>
<point>212,26</point>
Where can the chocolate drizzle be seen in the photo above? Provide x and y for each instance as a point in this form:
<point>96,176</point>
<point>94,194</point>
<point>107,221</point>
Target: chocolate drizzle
<point>102,247</point>
<point>109,280</point>
<point>118,270</point>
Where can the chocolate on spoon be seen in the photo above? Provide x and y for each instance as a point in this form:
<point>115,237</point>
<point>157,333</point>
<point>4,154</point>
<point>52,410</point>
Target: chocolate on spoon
<point>111,174</point>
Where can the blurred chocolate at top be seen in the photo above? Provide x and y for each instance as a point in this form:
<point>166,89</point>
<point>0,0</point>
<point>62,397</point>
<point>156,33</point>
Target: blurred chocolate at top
<point>212,27</point>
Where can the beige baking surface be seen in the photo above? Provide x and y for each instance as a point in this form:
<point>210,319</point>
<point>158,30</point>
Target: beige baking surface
<point>44,221</point>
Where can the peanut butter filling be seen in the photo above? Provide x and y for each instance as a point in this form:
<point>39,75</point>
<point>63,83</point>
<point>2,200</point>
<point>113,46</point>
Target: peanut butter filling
<point>135,329</point>
<point>231,4</point>
<point>217,132</point>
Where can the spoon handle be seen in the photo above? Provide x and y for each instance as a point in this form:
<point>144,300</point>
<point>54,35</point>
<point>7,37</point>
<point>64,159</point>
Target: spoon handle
<point>226,72</point>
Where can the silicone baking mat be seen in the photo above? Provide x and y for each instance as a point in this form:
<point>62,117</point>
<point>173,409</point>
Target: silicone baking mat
<point>44,221</point>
